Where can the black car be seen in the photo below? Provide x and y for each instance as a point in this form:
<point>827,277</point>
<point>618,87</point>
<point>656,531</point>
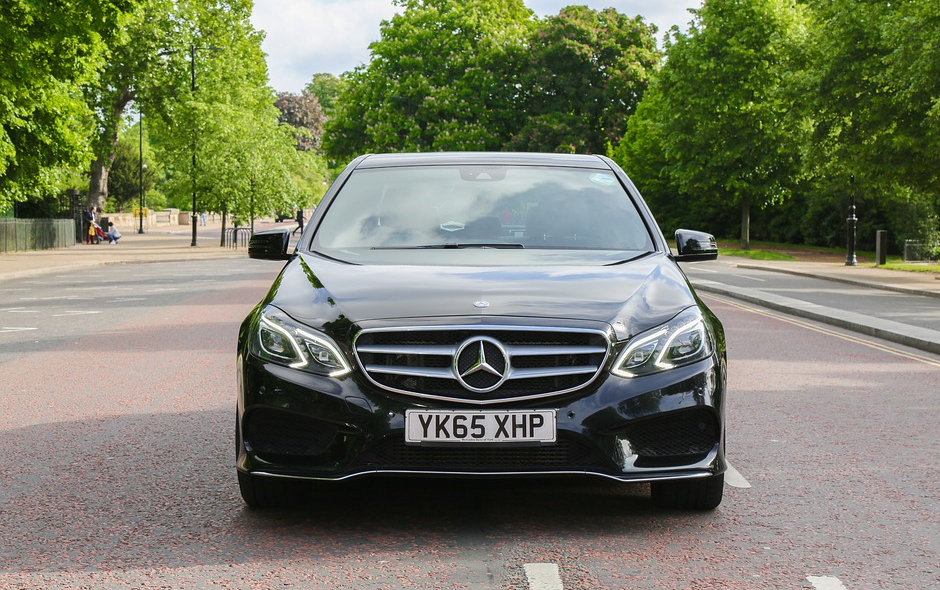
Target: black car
<point>482,315</point>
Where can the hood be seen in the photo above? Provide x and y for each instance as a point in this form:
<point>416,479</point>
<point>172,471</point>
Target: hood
<point>630,297</point>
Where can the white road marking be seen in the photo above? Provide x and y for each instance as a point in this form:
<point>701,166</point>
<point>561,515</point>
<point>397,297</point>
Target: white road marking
<point>6,329</point>
<point>123,299</point>
<point>71,313</point>
<point>543,576</point>
<point>825,583</point>
<point>734,478</point>
<point>695,269</point>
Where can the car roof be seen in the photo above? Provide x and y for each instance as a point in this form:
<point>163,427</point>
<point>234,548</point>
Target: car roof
<point>481,158</point>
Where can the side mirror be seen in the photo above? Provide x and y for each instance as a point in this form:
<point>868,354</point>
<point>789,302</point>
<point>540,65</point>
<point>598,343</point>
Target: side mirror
<point>695,246</point>
<point>270,245</point>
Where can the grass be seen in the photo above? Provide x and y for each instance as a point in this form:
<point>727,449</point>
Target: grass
<point>794,252</point>
<point>931,267</point>
<point>756,254</point>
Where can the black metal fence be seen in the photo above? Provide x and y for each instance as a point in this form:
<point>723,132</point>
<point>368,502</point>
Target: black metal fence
<point>35,234</point>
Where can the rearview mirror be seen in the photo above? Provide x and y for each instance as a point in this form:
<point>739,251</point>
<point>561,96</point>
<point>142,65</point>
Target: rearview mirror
<point>695,246</point>
<point>270,245</point>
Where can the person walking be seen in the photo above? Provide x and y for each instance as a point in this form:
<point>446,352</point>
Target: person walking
<point>300,221</point>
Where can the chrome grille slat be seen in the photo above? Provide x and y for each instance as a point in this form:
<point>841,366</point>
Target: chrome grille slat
<point>411,349</point>
<point>549,350</point>
<point>539,361</point>
<point>413,371</point>
<point>549,372</point>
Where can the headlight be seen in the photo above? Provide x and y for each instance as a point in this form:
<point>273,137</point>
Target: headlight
<point>681,341</point>
<point>282,340</point>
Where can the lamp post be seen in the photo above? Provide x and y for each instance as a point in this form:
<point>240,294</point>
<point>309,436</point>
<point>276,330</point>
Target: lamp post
<point>851,222</point>
<point>140,210</point>
<point>192,70</point>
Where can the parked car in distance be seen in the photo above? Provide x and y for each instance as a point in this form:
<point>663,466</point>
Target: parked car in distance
<point>482,315</point>
<point>284,214</point>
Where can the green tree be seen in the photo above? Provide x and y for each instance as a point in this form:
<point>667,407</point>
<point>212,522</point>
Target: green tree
<point>327,88</point>
<point>443,76</point>
<point>128,69</point>
<point>874,95</point>
<point>125,181</point>
<point>587,72</point>
<point>304,113</point>
<point>219,136</point>
<point>49,51</point>
<point>728,130</point>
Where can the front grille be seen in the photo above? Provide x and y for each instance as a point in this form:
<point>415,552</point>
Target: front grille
<point>566,454</point>
<point>481,364</point>
<point>280,436</point>
<point>678,437</point>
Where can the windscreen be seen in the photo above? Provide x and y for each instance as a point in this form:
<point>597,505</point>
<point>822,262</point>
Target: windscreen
<point>525,207</point>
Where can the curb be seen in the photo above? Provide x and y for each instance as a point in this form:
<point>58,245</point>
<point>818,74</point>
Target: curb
<point>912,336</point>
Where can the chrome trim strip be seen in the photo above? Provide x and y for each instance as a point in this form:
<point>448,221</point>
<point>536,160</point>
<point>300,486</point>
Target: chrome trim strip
<point>684,473</point>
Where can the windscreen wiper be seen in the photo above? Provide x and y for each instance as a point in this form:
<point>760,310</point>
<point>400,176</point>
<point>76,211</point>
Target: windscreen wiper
<point>462,245</point>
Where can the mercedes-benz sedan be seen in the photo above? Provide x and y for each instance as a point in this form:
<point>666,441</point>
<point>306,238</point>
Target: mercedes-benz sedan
<point>482,315</point>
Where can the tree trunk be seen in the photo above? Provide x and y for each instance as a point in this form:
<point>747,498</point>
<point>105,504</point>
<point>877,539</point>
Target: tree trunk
<point>101,166</point>
<point>98,185</point>
<point>746,224</point>
<point>222,239</point>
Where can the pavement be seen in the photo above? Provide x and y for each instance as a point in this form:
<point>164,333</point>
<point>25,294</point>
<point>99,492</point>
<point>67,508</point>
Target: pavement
<point>160,244</point>
<point>175,244</point>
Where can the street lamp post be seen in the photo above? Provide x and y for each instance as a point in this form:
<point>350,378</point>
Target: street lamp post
<point>192,70</point>
<point>140,211</point>
<point>851,222</point>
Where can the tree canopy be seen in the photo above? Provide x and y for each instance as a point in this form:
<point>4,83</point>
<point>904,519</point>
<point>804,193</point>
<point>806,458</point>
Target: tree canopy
<point>586,72</point>
<point>50,52</point>
<point>442,77</point>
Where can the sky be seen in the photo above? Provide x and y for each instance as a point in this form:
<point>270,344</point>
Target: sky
<point>305,37</point>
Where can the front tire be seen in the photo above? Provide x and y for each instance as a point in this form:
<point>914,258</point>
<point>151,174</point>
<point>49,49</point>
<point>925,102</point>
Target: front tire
<point>689,494</point>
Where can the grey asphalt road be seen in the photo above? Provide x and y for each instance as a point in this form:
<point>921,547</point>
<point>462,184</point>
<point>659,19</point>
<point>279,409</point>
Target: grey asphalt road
<point>116,457</point>
<point>913,310</point>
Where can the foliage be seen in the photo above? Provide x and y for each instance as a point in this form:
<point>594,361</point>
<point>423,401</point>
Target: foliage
<point>50,50</point>
<point>327,88</point>
<point>586,73</point>
<point>726,129</point>
<point>874,97</point>
<point>443,76</point>
<point>218,128</point>
<point>303,112</point>
<point>127,180</point>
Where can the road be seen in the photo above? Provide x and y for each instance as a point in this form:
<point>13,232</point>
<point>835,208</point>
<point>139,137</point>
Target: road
<point>116,453</point>
<point>921,311</point>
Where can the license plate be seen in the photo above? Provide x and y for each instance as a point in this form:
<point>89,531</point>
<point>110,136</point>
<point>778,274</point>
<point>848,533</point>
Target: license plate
<point>479,426</point>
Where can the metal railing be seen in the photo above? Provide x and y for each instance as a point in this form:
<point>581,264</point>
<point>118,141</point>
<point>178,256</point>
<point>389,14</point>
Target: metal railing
<point>35,234</point>
<point>237,236</point>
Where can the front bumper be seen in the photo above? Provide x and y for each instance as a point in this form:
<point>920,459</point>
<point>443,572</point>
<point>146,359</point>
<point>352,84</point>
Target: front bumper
<point>299,425</point>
